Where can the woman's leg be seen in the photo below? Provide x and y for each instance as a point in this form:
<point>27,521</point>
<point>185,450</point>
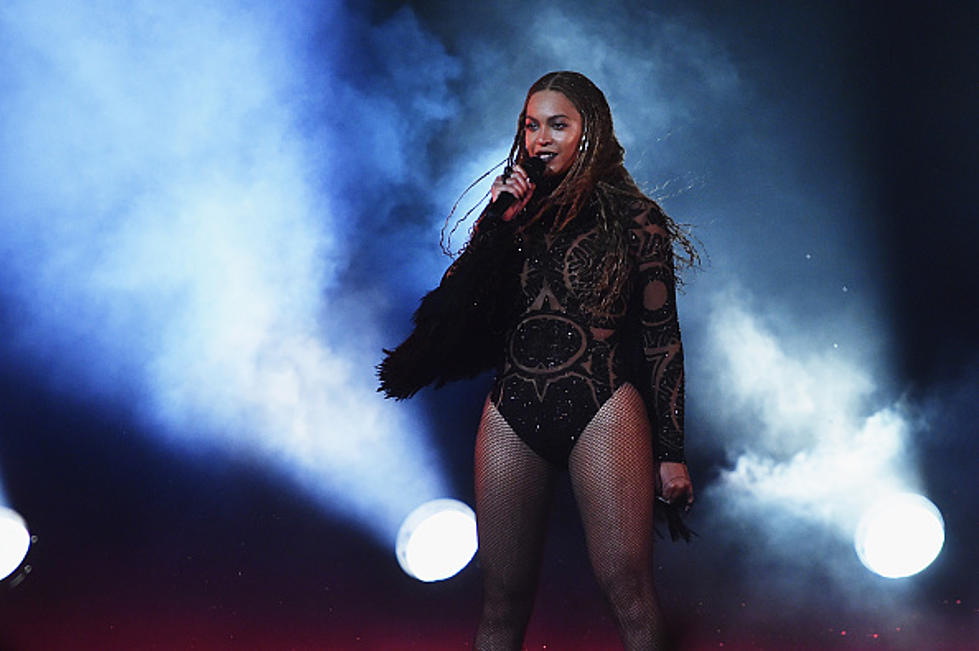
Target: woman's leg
<point>513,496</point>
<point>612,475</point>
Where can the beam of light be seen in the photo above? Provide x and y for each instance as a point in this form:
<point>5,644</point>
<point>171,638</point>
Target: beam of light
<point>899,535</point>
<point>175,222</point>
<point>15,540</point>
<point>806,439</point>
<point>437,540</point>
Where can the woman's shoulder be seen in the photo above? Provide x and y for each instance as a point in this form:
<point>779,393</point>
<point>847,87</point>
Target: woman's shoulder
<point>621,195</point>
<point>643,223</point>
<point>634,210</point>
<point>646,215</point>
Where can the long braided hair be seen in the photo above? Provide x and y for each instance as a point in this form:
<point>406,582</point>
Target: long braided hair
<point>597,174</point>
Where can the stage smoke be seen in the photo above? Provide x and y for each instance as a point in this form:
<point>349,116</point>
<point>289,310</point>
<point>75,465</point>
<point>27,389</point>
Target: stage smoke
<point>806,441</point>
<point>179,211</point>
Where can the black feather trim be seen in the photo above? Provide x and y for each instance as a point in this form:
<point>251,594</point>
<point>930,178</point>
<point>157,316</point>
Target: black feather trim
<point>460,325</point>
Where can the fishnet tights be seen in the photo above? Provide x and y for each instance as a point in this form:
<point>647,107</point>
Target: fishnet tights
<point>611,470</point>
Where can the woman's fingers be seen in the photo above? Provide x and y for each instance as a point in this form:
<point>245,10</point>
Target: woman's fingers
<point>676,484</point>
<point>499,186</point>
<point>516,183</point>
<point>520,181</point>
<point>679,490</point>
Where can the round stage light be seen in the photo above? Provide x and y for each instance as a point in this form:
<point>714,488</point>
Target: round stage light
<point>14,541</point>
<point>899,535</point>
<point>437,540</point>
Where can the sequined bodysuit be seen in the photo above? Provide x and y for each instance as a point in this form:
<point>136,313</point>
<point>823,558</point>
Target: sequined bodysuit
<point>563,362</point>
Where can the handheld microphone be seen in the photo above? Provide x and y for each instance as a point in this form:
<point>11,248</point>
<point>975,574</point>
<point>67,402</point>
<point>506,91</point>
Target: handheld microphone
<point>535,171</point>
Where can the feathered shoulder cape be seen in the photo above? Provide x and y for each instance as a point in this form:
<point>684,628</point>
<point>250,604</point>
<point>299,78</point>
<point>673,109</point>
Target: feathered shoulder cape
<point>460,325</point>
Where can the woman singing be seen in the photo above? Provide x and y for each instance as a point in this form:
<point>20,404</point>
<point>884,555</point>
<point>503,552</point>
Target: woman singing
<point>570,295</point>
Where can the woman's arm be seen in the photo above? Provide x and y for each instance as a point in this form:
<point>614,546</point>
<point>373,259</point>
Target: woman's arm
<point>662,349</point>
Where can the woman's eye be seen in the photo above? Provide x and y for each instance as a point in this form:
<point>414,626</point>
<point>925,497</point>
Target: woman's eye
<point>560,125</point>
<point>530,126</point>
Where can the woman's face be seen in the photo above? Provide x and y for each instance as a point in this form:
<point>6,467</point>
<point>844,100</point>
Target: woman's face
<point>552,130</point>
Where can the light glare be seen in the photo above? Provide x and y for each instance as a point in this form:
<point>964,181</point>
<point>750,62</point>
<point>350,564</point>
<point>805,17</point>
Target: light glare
<point>437,540</point>
<point>899,535</point>
<point>14,541</point>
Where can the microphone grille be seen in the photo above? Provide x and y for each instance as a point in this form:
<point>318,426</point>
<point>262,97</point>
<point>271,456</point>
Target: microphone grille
<point>535,168</point>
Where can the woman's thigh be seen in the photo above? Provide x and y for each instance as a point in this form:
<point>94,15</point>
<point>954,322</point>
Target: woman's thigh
<point>514,487</point>
<point>612,475</point>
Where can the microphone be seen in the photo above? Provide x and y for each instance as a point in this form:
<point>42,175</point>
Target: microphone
<point>535,170</point>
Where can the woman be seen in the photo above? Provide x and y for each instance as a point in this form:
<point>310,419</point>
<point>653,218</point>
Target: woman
<point>570,294</point>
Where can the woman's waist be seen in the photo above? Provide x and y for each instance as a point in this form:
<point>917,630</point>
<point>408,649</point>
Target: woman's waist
<point>552,341</point>
<point>568,321</point>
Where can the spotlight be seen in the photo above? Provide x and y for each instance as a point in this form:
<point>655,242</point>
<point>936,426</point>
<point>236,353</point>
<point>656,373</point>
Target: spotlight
<point>437,540</point>
<point>899,535</point>
<point>14,541</point>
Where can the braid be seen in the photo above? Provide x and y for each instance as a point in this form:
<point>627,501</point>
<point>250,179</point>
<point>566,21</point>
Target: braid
<point>597,176</point>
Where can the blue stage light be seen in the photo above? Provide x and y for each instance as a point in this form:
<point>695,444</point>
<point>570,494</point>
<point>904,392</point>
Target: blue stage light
<point>900,535</point>
<point>15,540</point>
<point>437,540</point>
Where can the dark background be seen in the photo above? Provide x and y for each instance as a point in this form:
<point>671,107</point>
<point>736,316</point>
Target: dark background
<point>871,109</point>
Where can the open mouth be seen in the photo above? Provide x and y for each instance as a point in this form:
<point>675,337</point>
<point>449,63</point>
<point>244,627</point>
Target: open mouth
<point>546,156</point>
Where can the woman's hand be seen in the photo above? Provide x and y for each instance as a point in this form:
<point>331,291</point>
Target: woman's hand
<point>674,484</point>
<point>518,184</point>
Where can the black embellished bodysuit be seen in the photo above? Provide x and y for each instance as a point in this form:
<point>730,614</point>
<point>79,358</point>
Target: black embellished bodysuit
<point>562,362</point>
